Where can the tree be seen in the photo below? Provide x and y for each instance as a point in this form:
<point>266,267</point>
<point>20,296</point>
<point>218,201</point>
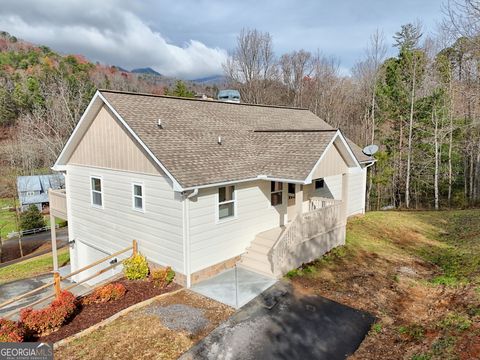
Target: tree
<point>31,218</point>
<point>252,65</point>
<point>180,90</point>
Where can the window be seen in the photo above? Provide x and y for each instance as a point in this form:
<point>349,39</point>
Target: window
<point>319,184</point>
<point>30,193</point>
<point>138,203</point>
<point>226,202</point>
<point>276,191</point>
<point>96,187</point>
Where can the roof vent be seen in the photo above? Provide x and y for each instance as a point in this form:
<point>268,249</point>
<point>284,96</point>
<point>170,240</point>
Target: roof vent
<point>219,140</point>
<point>159,123</point>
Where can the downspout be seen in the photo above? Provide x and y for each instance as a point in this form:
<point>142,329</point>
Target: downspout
<point>186,224</point>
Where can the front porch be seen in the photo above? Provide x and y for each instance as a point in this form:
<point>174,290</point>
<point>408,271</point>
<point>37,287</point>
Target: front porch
<point>309,226</point>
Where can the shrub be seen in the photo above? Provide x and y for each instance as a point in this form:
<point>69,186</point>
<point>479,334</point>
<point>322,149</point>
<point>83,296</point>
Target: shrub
<point>162,277</point>
<point>31,218</point>
<point>136,267</point>
<point>105,294</point>
<point>44,321</point>
<point>11,331</point>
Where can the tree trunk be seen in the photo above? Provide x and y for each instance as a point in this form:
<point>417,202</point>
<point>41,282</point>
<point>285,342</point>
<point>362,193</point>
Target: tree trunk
<point>435,185</point>
<point>410,134</point>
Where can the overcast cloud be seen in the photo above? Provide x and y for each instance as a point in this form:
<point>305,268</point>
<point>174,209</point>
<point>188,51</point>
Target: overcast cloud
<point>191,38</point>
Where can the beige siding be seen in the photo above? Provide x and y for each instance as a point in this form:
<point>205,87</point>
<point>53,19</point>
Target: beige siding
<point>212,241</point>
<point>331,164</point>
<point>158,230</point>
<point>356,191</point>
<point>107,145</point>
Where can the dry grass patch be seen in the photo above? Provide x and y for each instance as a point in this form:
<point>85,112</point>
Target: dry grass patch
<point>141,335</point>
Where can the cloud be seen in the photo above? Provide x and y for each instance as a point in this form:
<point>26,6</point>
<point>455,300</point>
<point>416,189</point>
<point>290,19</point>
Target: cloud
<point>109,32</point>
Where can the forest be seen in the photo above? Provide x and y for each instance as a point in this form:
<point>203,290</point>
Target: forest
<point>421,106</point>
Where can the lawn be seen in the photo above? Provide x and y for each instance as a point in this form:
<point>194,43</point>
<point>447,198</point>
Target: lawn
<point>417,272</point>
<point>31,267</point>
<point>7,218</point>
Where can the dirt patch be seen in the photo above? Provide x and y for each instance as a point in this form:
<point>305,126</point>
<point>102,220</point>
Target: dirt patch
<point>11,248</point>
<point>88,315</point>
<point>144,334</point>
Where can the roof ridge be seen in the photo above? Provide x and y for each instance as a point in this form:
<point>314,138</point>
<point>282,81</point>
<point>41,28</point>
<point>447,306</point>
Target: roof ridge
<point>201,100</point>
<point>294,130</point>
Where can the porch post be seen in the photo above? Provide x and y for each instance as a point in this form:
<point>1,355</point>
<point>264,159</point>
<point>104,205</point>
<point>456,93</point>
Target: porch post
<point>344,196</point>
<point>284,215</point>
<point>53,232</point>
<point>299,199</point>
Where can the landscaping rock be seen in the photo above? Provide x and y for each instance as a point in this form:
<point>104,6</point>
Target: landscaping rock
<point>179,317</point>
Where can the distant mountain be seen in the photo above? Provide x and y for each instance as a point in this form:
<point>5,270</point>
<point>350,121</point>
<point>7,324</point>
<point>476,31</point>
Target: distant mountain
<point>120,68</point>
<point>211,80</point>
<point>146,70</point>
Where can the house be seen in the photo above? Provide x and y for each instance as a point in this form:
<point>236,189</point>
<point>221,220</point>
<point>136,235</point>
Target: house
<point>204,185</point>
<point>33,190</point>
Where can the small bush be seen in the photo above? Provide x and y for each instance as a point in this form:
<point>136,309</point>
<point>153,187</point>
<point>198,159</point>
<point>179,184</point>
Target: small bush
<point>162,277</point>
<point>413,331</point>
<point>455,321</point>
<point>31,218</point>
<point>136,267</point>
<point>11,331</point>
<point>293,273</point>
<point>103,294</point>
<point>49,319</point>
<point>377,328</point>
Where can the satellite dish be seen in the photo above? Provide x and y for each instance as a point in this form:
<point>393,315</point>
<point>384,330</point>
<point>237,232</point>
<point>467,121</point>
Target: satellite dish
<point>370,149</point>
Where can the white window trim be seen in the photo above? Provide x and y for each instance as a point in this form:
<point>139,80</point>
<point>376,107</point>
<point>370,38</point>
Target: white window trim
<point>101,192</point>
<point>274,192</point>
<point>135,196</point>
<point>218,203</point>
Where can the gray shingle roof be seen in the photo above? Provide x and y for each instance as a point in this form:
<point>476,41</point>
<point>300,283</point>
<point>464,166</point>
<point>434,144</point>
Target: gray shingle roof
<point>187,142</point>
<point>39,184</point>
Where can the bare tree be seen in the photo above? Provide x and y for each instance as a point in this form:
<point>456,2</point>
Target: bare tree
<point>252,65</point>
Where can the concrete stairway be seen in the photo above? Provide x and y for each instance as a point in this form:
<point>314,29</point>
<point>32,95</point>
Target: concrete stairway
<point>256,257</point>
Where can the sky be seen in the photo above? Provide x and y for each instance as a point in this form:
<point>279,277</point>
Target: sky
<point>192,38</point>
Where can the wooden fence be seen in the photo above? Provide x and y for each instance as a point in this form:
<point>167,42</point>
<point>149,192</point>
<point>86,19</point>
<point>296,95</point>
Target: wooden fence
<point>57,279</point>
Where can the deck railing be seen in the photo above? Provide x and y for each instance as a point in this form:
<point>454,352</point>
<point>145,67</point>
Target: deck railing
<point>58,203</point>
<point>56,287</point>
<point>320,202</point>
<point>303,228</point>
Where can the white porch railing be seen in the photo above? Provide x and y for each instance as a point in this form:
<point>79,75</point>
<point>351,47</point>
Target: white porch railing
<point>302,228</point>
<point>58,203</point>
<point>320,202</point>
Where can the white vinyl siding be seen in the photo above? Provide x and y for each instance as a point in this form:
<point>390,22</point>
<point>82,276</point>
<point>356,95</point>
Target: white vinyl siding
<point>159,231</point>
<point>356,191</point>
<point>212,242</point>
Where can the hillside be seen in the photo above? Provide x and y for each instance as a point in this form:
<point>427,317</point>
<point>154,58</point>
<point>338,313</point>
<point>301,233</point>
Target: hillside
<point>417,272</point>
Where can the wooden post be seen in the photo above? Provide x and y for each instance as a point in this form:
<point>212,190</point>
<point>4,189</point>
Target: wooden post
<point>53,232</point>
<point>134,248</point>
<point>299,199</point>
<point>56,279</point>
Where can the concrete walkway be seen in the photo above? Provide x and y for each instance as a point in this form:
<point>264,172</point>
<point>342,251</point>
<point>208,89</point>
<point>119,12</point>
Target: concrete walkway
<point>280,324</point>
<point>18,287</point>
<point>234,287</point>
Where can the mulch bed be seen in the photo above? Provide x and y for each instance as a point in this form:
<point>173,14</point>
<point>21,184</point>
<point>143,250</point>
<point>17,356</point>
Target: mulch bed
<point>86,316</point>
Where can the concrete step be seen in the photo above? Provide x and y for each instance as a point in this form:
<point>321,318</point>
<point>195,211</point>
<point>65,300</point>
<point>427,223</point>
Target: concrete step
<point>255,255</point>
<point>265,241</point>
<point>256,265</point>
<point>256,270</point>
<point>260,247</point>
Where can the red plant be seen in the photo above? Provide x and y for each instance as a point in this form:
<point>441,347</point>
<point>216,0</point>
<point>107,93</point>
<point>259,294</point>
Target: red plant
<point>11,331</point>
<point>105,293</point>
<point>44,321</point>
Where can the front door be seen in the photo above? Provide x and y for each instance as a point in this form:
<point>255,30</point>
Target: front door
<point>291,202</point>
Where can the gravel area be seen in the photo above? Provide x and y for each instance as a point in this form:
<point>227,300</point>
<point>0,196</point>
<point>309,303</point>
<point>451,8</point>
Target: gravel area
<point>179,317</point>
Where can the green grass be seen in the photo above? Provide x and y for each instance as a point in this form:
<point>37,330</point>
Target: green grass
<point>7,218</point>
<point>32,267</point>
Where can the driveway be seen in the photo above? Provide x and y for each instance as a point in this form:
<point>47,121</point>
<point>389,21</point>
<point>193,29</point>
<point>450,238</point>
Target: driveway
<point>279,324</point>
<point>18,287</point>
